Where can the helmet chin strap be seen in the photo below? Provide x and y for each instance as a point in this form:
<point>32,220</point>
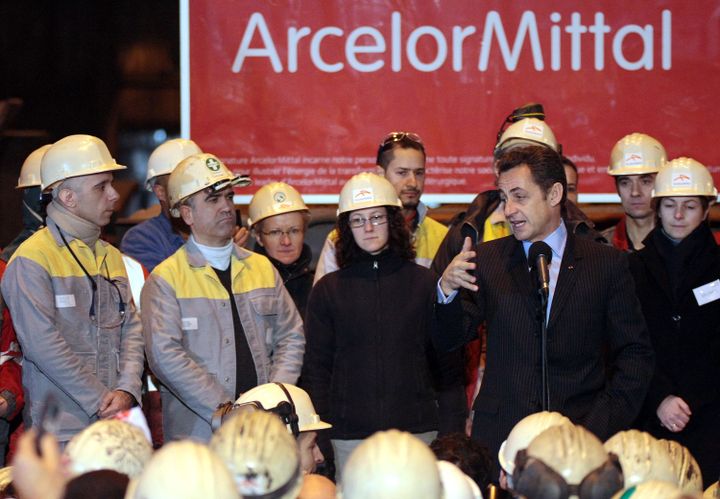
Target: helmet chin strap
<point>34,213</point>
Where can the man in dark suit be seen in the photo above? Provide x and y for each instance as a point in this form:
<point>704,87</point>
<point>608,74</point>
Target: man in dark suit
<point>599,356</point>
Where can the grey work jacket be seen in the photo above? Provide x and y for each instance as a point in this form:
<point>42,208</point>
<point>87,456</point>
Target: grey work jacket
<point>190,336</point>
<point>66,353</point>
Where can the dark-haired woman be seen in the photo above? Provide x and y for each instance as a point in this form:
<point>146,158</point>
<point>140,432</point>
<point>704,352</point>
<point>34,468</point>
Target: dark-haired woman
<point>677,275</point>
<point>368,356</point>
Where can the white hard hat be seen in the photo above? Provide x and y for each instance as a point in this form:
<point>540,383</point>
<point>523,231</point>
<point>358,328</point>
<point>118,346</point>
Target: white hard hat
<point>261,455</point>
<point>5,477</point>
<point>391,465</point>
<point>75,156</point>
<point>30,171</point>
<point>196,173</point>
<point>687,470</point>
<point>109,444</point>
<point>166,157</point>
<point>684,177</point>
<point>570,450</point>
<point>183,470</point>
<point>456,484</point>
<point>523,433</point>
<point>653,489</point>
<point>712,492</point>
<point>527,132</point>
<point>299,407</point>
<point>642,457</point>
<point>367,190</point>
<point>273,199</point>
<point>637,154</point>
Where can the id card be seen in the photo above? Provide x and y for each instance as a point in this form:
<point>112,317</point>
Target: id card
<point>707,292</point>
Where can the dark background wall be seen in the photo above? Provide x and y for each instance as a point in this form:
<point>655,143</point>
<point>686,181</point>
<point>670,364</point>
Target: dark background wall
<point>109,69</point>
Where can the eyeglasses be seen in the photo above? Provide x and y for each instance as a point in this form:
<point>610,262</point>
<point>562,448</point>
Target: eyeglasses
<point>375,220</point>
<point>393,137</point>
<point>292,233</point>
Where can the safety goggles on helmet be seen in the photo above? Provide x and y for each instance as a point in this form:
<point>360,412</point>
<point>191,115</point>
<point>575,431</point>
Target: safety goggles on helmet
<point>393,138</point>
<point>533,478</point>
<point>197,173</point>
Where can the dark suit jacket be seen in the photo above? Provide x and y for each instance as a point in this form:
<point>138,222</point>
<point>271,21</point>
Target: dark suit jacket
<point>600,358</point>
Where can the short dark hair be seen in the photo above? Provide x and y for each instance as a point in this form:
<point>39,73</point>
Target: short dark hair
<point>545,165</point>
<point>348,252</point>
<point>386,151</point>
<point>568,162</point>
<point>470,456</point>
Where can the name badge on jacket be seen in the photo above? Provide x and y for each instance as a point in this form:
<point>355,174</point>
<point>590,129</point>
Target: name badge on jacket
<point>707,292</point>
<point>190,323</point>
<point>64,301</point>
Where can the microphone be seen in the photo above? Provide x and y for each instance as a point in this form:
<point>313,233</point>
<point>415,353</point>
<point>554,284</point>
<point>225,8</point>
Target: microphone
<point>539,257</point>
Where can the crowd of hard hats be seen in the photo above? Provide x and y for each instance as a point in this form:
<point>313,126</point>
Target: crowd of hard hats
<point>255,450</point>
<point>545,455</point>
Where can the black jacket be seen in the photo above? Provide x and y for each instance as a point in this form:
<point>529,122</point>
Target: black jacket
<point>685,336</point>
<point>368,357</point>
<point>297,277</point>
<point>594,310</point>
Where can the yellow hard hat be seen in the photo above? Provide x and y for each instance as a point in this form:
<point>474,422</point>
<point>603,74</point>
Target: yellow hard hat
<point>109,444</point>
<point>273,199</point>
<point>636,154</point>
<point>687,470</point>
<point>684,177</point>
<point>75,156</point>
<point>196,173</point>
<point>367,190</point>
<point>166,157</point>
<point>261,454</point>
<point>30,171</point>
<point>641,456</point>
<point>527,132</point>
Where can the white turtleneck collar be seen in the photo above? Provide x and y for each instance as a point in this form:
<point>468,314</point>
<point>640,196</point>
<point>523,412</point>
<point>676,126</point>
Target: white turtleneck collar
<point>217,256</point>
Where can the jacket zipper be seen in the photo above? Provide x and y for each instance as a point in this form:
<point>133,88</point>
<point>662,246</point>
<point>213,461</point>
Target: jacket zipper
<point>376,268</point>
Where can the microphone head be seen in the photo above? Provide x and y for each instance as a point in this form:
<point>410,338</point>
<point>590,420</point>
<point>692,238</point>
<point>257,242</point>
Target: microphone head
<point>539,248</point>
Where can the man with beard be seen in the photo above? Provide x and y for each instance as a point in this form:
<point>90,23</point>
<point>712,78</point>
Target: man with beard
<point>401,160</point>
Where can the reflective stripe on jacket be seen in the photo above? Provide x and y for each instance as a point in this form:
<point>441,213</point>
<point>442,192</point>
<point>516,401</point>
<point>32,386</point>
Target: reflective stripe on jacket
<point>190,335</point>
<point>67,354</point>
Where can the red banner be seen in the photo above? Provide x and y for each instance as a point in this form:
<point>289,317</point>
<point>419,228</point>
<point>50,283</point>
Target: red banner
<point>304,91</point>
